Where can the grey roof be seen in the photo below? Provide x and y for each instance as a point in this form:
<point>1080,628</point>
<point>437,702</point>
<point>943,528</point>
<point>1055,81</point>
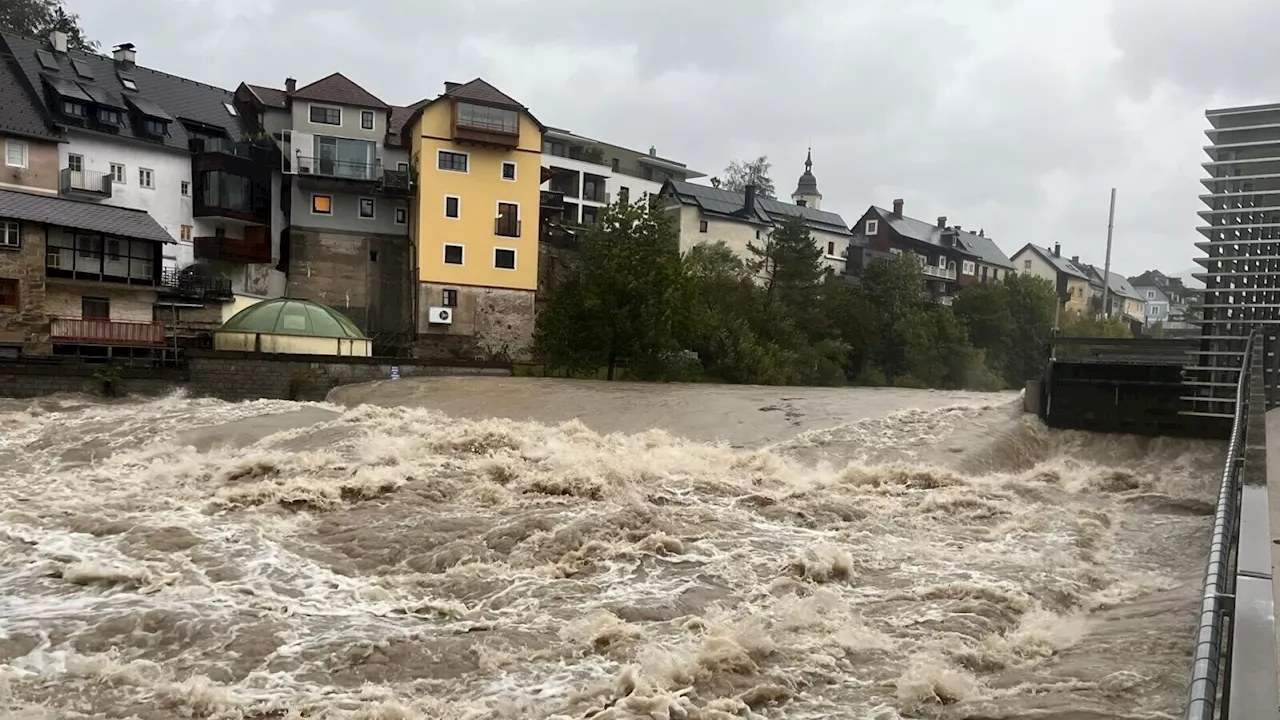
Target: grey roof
<point>107,219</point>
<point>20,114</point>
<point>399,116</point>
<point>1118,285</point>
<point>270,97</point>
<point>186,100</point>
<point>1064,265</point>
<point>731,204</point>
<point>980,246</point>
<point>808,184</point>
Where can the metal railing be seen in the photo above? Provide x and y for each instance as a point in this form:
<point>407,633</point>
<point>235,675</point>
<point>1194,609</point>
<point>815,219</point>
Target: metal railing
<point>1234,669</point>
<point>940,273</point>
<point>85,181</point>
<point>331,167</point>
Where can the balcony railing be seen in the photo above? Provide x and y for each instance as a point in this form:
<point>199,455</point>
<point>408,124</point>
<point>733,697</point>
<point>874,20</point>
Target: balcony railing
<point>343,169</point>
<point>506,227</point>
<point>229,249</point>
<point>106,332</point>
<point>396,182</point>
<point>191,285</point>
<point>940,273</point>
<point>226,146</point>
<point>551,200</point>
<point>86,182</point>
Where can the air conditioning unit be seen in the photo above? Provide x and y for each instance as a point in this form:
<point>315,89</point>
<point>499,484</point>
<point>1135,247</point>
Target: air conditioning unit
<point>440,316</point>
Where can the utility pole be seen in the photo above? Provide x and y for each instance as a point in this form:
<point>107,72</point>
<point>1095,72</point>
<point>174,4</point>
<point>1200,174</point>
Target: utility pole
<point>1106,271</point>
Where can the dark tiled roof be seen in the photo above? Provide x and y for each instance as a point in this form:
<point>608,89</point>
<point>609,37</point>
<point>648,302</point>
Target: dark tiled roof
<point>482,92</point>
<point>271,97</point>
<point>183,99</point>
<point>1062,264</point>
<point>1118,284</point>
<point>732,204</point>
<point>122,222</point>
<point>336,88</point>
<point>981,247</point>
<point>400,116</point>
<point>20,114</point>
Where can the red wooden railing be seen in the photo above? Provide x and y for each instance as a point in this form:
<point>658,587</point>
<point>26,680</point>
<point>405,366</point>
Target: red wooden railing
<point>106,332</point>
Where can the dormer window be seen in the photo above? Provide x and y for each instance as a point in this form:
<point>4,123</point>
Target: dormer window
<point>107,116</point>
<point>151,126</point>
<point>74,109</point>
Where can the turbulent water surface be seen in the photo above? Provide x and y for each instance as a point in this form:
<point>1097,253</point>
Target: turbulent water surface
<point>883,554</point>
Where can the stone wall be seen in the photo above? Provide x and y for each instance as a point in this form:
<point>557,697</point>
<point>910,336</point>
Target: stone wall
<point>27,324</point>
<point>229,376</point>
<point>487,322</point>
<point>365,277</point>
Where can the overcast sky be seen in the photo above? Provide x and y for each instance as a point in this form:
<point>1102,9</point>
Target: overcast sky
<point>1016,116</point>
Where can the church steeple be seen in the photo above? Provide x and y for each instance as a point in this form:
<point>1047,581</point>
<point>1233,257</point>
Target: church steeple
<point>807,189</point>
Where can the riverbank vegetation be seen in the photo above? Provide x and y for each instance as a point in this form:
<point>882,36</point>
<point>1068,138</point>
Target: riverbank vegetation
<point>634,301</point>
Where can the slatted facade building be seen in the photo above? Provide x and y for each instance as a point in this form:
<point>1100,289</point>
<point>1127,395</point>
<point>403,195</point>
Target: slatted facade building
<point>1241,229</point>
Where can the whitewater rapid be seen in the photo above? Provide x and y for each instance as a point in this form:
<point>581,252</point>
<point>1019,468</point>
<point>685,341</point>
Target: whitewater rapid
<point>200,559</point>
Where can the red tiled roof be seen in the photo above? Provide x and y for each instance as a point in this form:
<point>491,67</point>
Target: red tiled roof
<point>337,88</point>
<point>271,97</point>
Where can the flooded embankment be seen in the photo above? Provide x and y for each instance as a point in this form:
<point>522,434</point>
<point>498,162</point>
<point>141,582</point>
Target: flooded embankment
<point>464,548</point>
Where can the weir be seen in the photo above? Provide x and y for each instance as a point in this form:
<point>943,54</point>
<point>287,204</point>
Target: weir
<point>1146,386</point>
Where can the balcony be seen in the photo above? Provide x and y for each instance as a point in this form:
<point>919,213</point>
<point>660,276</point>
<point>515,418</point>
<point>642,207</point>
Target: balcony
<point>225,194</point>
<point>396,182</point>
<point>486,125</point>
<point>109,260</point>
<point>506,226</point>
<point>235,250</point>
<point>938,273</point>
<point>190,284</point>
<point>342,169</point>
<point>106,332</point>
<point>551,201</point>
<point>85,184</point>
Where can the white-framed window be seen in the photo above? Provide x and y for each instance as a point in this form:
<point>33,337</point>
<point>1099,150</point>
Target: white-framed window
<point>366,119</point>
<point>325,115</point>
<point>872,227</point>
<point>452,254</point>
<point>402,216</point>
<point>1026,264</point>
<point>146,178</point>
<point>969,267</point>
<point>1151,294</point>
<point>509,171</point>
<point>186,188</point>
<point>185,233</point>
<point>702,226</point>
<point>118,174</point>
<point>75,163</point>
<point>367,208</point>
<point>10,234</point>
<point>321,204</point>
<point>452,161</point>
<point>895,251</point>
<point>452,206</point>
<point>15,153</point>
<point>504,258</point>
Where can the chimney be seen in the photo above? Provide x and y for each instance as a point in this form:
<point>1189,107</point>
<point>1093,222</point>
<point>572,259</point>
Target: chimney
<point>897,207</point>
<point>749,203</point>
<point>58,40</point>
<point>124,54</point>
<point>942,221</point>
<point>982,232</point>
<point>1057,250</point>
<point>451,86</point>
<point>957,228</point>
<point>1075,259</point>
<point>653,151</point>
<point>290,85</point>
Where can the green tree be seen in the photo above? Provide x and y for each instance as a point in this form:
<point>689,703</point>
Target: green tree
<point>1031,302</point>
<point>984,310</point>
<point>38,18</point>
<point>622,301</point>
<point>740,174</point>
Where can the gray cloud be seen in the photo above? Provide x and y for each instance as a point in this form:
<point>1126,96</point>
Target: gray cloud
<point>1017,116</point>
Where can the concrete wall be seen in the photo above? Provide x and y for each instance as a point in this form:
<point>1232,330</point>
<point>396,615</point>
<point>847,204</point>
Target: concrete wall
<point>28,324</point>
<point>735,234</point>
<point>230,376</point>
<point>170,168</point>
<point>346,212</point>
<point>350,127</point>
<point>41,172</point>
<point>486,321</point>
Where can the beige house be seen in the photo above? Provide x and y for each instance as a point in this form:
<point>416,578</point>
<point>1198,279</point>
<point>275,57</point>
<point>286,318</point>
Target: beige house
<point>1067,275</point>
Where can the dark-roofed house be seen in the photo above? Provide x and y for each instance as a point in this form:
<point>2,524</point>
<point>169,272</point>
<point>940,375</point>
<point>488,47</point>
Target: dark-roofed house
<point>707,214</point>
<point>345,176</point>
<point>29,138</point>
<point>1122,300</point>
<point>78,277</point>
<point>949,256</point>
<point>1069,276</point>
<point>1165,299</point>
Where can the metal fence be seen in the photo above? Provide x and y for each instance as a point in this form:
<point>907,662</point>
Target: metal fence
<point>1234,671</point>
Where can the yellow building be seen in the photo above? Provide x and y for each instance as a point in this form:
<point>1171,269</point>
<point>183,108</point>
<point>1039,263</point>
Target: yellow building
<point>477,154</point>
<point>1069,277</point>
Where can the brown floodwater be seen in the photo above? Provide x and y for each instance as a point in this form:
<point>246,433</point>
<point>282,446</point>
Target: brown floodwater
<point>470,548</point>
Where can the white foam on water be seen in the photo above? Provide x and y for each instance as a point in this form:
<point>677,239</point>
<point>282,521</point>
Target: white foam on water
<point>398,563</point>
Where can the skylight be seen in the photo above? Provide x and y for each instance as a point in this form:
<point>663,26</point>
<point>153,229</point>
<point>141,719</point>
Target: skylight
<point>46,60</point>
<point>82,68</point>
<point>230,108</point>
<point>128,82</point>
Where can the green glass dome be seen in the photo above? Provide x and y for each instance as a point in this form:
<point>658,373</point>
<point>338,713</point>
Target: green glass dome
<point>292,316</point>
